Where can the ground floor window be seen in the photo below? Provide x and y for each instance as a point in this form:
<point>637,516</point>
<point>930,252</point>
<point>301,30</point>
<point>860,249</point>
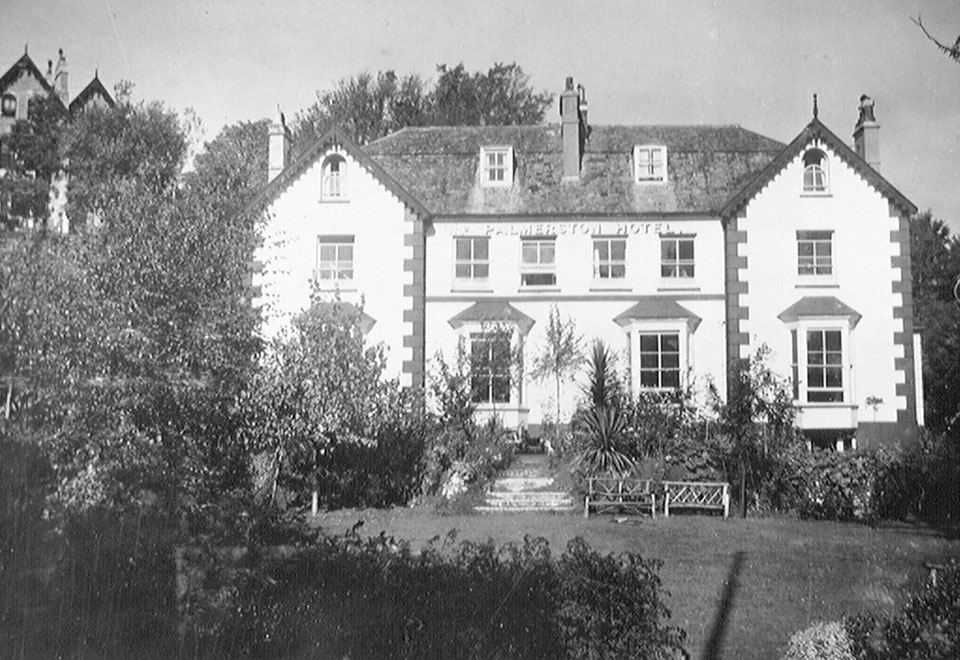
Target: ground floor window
<point>659,360</point>
<point>824,366</point>
<point>490,362</point>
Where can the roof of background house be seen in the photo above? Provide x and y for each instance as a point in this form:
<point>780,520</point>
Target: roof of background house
<point>705,166</point>
<point>21,66</point>
<point>93,88</point>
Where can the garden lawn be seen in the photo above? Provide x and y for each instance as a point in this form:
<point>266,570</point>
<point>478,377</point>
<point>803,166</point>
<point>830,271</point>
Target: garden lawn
<point>793,573</point>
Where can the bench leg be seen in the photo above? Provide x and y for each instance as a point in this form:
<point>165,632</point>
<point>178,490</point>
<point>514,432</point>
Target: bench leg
<point>586,506</point>
<point>666,505</point>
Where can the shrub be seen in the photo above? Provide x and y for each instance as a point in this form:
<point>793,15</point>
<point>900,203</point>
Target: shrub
<point>375,598</point>
<point>821,641</point>
<point>927,627</point>
<point>601,435</point>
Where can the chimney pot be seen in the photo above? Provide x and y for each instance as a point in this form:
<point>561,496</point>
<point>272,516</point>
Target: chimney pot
<point>571,130</point>
<point>866,134</point>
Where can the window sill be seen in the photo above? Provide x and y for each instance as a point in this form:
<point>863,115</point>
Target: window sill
<point>811,193</point>
<point>538,289</point>
<point>599,287</point>
<point>334,201</point>
<point>810,405</point>
<point>337,289</point>
<point>669,286</point>
<point>816,285</point>
<point>466,288</point>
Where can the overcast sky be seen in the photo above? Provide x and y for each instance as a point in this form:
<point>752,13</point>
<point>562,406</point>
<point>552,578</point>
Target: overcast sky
<point>748,62</point>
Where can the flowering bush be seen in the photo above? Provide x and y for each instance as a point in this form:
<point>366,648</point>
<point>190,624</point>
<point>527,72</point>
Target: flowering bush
<point>821,641</point>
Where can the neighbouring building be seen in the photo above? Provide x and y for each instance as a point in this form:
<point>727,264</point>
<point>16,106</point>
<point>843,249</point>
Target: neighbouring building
<point>24,82</point>
<point>684,248</point>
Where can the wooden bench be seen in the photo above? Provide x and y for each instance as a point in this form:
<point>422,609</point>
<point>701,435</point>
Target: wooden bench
<point>696,495</point>
<point>619,494</point>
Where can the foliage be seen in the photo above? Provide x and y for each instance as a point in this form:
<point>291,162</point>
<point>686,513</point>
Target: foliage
<point>119,152</point>
<point>354,597</point>
<point>32,161</point>
<point>927,626</point>
<point>370,106</point>
<point>756,421</point>
<point>821,641</point>
<point>603,389</point>
<point>935,266</point>
<point>601,436</point>
<point>561,356</point>
<point>953,52</point>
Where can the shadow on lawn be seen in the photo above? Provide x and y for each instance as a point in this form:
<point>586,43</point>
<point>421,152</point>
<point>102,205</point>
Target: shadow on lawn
<point>713,648</point>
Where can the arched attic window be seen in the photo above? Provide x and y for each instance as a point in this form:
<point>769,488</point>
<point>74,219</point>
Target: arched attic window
<point>333,178</point>
<point>8,105</point>
<point>815,178</point>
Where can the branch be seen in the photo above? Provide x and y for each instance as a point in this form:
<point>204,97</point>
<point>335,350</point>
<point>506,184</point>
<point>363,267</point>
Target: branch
<point>952,52</point>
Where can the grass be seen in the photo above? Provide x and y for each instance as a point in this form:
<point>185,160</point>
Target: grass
<point>794,572</point>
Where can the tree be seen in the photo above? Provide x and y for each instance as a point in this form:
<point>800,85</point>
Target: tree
<point>370,106</point>
<point>953,52</point>
<point>935,265</point>
<point>232,167</point>
<point>561,356</point>
<point>130,149</point>
<point>31,157</point>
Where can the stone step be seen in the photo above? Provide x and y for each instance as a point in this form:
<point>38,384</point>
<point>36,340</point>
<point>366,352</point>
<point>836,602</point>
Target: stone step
<point>521,483</point>
<point>525,472</point>
<point>524,509</point>
<point>527,496</point>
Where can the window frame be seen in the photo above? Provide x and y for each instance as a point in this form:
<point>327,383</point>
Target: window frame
<point>801,363</point>
<point>337,282</point>
<point>491,377</point>
<point>678,263</point>
<point>610,263</point>
<point>660,370</point>
<point>472,262</point>
<point>648,163</point>
<point>540,267</point>
<point>816,260</point>
<point>505,168</point>
<point>821,167</point>
<point>327,175</point>
<point>684,332</point>
<point>5,100</point>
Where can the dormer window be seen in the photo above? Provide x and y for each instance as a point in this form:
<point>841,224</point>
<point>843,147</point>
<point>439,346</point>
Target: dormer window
<point>650,164</point>
<point>8,105</point>
<point>333,180</point>
<point>815,171</point>
<point>496,167</point>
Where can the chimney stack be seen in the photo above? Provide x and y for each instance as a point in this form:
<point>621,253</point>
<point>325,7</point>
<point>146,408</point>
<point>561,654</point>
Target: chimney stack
<point>60,79</point>
<point>573,128</point>
<point>279,146</point>
<point>866,134</point>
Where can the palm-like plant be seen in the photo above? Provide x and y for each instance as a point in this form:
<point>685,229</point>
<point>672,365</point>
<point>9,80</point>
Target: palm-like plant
<point>602,431</point>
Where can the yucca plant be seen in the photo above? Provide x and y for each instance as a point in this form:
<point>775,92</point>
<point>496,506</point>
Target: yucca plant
<point>603,389</point>
<point>602,432</point>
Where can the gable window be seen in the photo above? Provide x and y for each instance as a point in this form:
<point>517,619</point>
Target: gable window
<point>538,265</point>
<point>650,164</point>
<point>815,171</point>
<point>334,260</point>
<point>490,358</point>
<point>676,257</point>
<point>472,258</point>
<point>496,167</point>
<point>333,179</point>
<point>8,105</point>
<point>815,253</point>
<point>659,360</point>
<point>609,258</point>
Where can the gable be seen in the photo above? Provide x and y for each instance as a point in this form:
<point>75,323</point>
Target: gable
<point>815,134</point>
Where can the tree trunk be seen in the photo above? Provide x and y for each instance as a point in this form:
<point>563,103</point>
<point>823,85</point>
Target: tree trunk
<point>743,489</point>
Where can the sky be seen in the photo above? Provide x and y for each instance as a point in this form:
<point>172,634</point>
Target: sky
<point>755,63</point>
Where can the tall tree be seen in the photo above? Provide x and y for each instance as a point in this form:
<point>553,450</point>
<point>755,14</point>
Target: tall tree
<point>935,265</point>
<point>370,106</point>
<point>953,52</point>
<point>30,155</point>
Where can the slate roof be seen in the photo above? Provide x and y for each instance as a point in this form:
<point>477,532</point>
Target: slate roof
<point>93,88</point>
<point>658,308</point>
<point>819,307</point>
<point>705,166</point>
<point>815,130</point>
<point>492,311</point>
<point>23,66</point>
